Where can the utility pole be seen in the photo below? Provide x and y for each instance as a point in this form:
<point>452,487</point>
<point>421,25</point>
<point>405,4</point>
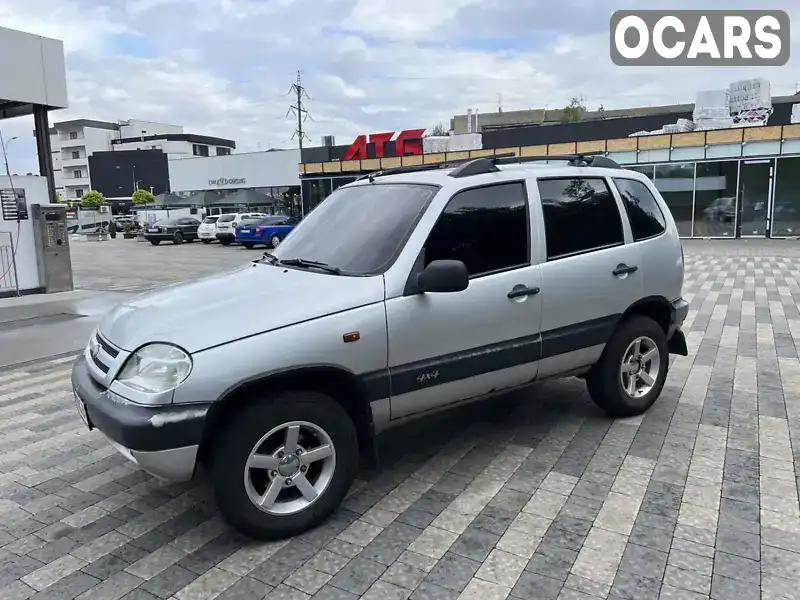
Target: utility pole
<point>298,110</point>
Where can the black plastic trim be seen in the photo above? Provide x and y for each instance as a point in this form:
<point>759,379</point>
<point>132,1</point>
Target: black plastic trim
<point>132,425</point>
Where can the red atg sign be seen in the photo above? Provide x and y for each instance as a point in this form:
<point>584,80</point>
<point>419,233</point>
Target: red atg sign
<point>408,142</point>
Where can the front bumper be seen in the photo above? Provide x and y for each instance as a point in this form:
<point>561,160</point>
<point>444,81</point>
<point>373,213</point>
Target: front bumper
<point>161,237</point>
<point>162,440</point>
<point>676,340</point>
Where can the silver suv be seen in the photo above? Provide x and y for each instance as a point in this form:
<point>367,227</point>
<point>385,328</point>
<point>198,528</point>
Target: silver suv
<point>406,292</point>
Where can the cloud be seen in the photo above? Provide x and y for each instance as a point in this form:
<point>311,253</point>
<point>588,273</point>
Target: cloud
<point>224,67</point>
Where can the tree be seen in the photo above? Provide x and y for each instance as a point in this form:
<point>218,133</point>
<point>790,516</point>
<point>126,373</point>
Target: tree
<point>437,129</point>
<point>60,198</point>
<point>92,198</point>
<point>143,197</point>
<point>573,111</point>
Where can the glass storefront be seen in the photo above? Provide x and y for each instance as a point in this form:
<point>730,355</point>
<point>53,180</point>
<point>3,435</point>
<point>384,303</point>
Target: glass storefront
<point>676,184</point>
<point>715,199</point>
<point>721,199</point>
<point>786,206</point>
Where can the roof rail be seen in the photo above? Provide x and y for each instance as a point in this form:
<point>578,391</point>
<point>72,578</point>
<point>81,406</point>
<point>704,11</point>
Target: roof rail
<point>467,167</point>
<point>573,160</point>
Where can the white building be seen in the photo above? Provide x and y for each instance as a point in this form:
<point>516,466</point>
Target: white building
<point>73,142</point>
<point>273,173</point>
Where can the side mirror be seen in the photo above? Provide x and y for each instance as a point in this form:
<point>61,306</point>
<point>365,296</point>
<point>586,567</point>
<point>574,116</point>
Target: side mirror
<point>443,276</point>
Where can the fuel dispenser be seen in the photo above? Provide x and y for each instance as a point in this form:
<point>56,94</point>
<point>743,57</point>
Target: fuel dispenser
<point>34,242</point>
<point>52,247</point>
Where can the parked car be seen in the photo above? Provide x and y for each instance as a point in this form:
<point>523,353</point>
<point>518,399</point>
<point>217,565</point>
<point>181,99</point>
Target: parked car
<point>356,323</point>
<point>207,231</point>
<point>227,224</point>
<point>177,231</point>
<point>267,231</point>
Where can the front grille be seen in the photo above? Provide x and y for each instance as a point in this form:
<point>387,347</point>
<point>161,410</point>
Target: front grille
<point>109,349</point>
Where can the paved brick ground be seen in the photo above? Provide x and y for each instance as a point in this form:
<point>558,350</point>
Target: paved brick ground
<point>541,497</point>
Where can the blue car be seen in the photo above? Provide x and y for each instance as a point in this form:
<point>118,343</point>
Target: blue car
<point>268,231</point>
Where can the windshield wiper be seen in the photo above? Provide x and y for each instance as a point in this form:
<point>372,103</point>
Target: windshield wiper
<point>306,264</point>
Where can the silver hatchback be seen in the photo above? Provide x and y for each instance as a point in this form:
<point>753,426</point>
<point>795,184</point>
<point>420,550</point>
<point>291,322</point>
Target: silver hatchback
<point>404,293</point>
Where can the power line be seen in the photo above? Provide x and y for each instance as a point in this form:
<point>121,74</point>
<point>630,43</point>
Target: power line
<point>298,110</point>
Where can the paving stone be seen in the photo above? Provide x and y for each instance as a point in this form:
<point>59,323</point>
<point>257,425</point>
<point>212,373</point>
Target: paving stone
<point>495,500</point>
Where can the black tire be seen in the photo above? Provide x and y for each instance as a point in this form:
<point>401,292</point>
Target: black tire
<point>177,238</point>
<point>226,242</point>
<point>155,242</point>
<point>249,246</point>
<point>604,381</point>
<point>190,239</point>
<point>234,442</point>
<point>206,241</point>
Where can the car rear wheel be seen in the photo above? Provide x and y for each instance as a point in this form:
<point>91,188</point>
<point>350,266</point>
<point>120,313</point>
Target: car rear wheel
<point>206,241</point>
<point>225,242</point>
<point>155,242</point>
<point>283,465</point>
<point>631,372</point>
<point>249,246</point>
<point>275,240</point>
<point>177,238</point>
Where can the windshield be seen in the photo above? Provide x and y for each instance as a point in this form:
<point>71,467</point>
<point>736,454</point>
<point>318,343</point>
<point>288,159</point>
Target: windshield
<point>210,220</point>
<point>226,218</point>
<point>359,229</point>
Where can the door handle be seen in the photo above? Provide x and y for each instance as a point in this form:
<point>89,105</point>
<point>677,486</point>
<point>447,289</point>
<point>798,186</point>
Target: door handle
<point>623,269</point>
<point>522,292</point>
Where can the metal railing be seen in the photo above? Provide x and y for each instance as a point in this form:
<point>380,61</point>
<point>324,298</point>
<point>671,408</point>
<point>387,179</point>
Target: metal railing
<point>8,264</point>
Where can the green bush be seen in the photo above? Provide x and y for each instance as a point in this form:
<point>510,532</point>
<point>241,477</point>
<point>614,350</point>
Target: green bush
<point>143,197</point>
<point>92,198</point>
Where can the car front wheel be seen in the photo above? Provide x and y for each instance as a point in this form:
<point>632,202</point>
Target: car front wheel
<point>631,372</point>
<point>155,242</point>
<point>206,241</point>
<point>283,465</point>
<point>177,238</point>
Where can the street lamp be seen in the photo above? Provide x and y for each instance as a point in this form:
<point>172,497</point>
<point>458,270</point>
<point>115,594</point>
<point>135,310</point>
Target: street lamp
<point>5,153</point>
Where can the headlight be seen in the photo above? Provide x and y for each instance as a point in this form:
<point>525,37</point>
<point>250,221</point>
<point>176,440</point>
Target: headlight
<point>156,368</point>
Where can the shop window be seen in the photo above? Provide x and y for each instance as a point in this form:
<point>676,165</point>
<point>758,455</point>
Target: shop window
<point>715,199</point>
<point>676,184</point>
<point>786,210</point>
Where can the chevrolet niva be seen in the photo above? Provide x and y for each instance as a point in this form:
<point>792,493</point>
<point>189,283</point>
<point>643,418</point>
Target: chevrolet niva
<point>403,293</point>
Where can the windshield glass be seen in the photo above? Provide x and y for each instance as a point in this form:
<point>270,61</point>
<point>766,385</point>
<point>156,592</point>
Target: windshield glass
<point>226,218</point>
<point>210,220</point>
<point>359,229</point>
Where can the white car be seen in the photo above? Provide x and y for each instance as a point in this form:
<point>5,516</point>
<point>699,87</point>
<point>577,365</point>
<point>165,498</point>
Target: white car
<point>227,224</point>
<point>207,231</point>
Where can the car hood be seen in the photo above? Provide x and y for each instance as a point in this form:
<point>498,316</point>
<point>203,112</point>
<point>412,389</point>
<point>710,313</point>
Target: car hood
<point>223,308</point>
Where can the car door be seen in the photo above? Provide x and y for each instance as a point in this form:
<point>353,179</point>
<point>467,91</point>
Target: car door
<point>448,347</point>
<point>591,274</point>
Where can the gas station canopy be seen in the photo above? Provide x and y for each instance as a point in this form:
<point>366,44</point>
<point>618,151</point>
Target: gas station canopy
<point>33,73</point>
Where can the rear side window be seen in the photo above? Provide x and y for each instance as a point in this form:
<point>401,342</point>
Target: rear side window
<point>486,228</point>
<point>644,214</point>
<point>580,215</point>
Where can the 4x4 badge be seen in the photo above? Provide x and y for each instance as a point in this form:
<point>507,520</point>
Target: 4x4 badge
<point>423,377</point>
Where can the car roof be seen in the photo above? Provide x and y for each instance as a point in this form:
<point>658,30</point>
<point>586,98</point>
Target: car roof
<point>506,172</point>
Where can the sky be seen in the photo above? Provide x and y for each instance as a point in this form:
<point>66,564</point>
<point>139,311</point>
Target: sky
<point>225,67</point>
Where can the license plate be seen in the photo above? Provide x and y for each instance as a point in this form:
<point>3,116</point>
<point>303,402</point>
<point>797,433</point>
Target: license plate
<point>153,230</point>
<point>81,405</point>
<point>244,231</point>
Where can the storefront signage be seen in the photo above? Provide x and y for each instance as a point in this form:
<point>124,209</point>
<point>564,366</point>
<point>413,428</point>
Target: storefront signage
<point>225,181</point>
<point>408,142</point>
